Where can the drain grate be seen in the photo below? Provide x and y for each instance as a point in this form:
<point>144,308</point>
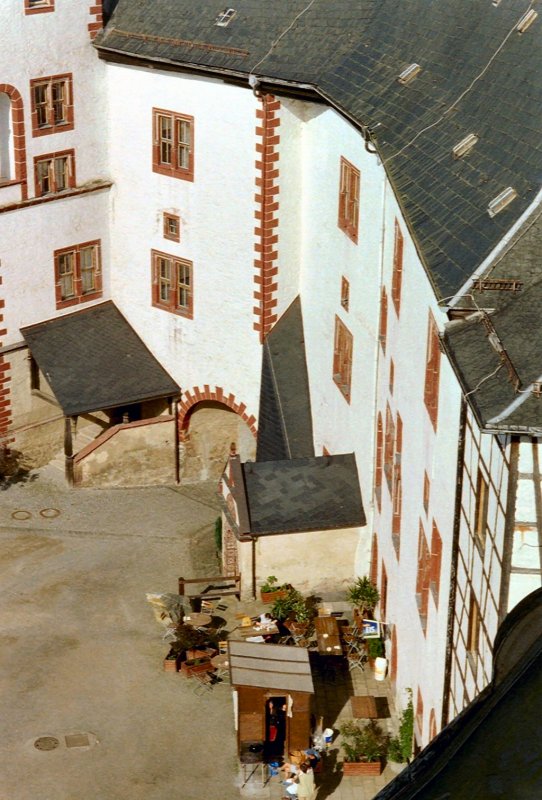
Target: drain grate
<point>46,743</point>
<point>77,740</point>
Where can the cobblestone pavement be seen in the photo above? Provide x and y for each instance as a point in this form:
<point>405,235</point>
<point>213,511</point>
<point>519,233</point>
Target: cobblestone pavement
<point>81,653</point>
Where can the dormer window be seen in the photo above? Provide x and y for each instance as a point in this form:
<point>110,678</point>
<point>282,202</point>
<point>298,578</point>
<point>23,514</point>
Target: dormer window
<point>225,17</point>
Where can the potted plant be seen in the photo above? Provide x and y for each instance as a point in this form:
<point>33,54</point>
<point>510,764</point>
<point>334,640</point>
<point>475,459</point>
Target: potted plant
<point>170,661</point>
<point>400,746</point>
<point>364,747</point>
<point>193,665</point>
<point>270,590</point>
<point>363,595</point>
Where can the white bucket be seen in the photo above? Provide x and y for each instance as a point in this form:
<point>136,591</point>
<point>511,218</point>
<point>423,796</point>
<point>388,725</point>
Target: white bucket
<point>381,667</point>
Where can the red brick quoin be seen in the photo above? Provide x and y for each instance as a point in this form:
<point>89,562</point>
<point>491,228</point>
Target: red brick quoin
<point>96,11</point>
<point>267,206</point>
<point>191,397</point>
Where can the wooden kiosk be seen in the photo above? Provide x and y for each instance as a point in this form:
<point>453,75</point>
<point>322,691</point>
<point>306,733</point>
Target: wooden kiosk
<point>273,691</point>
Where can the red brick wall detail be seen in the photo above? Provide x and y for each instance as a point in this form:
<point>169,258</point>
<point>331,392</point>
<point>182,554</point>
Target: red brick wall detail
<point>19,146</point>
<point>196,395</point>
<point>5,386</point>
<point>267,206</point>
<point>96,13</point>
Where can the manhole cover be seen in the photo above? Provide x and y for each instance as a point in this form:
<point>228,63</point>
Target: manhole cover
<point>20,514</point>
<point>46,743</point>
<point>77,740</point>
<point>49,513</point>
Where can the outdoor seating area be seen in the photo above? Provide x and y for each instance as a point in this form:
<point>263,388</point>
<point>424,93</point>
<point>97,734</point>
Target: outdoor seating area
<point>217,641</point>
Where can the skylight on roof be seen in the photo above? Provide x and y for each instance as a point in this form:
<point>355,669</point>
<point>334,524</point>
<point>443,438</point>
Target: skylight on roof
<point>501,201</point>
<point>526,21</point>
<point>465,145</point>
<point>409,73</point>
<point>225,17</point>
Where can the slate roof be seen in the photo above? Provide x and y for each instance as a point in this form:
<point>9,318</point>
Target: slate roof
<point>514,317</point>
<point>478,76</point>
<point>93,359</point>
<point>284,420</point>
<point>492,749</point>
<point>303,494</point>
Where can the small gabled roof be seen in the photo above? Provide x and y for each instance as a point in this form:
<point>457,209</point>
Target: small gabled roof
<point>93,359</point>
<point>270,666</point>
<point>303,494</point>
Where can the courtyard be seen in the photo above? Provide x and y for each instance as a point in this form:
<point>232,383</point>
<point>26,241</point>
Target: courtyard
<point>82,653</point>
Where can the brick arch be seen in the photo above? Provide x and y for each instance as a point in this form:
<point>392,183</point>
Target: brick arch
<point>192,397</point>
<point>19,145</point>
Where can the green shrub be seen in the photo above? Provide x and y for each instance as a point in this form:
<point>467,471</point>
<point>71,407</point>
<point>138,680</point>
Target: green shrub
<point>400,748</point>
<point>218,534</point>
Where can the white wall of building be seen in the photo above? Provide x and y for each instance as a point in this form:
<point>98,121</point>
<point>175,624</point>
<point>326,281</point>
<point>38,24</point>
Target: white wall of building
<point>218,346</point>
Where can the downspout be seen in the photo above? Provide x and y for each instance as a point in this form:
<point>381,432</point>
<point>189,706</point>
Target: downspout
<point>253,540</point>
<point>450,628</point>
<point>177,442</point>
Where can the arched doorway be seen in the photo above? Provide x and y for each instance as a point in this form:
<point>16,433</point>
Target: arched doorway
<point>210,432</point>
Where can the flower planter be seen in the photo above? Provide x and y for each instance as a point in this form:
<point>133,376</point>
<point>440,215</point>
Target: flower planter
<point>191,666</point>
<point>270,597</point>
<point>170,662</point>
<point>366,768</point>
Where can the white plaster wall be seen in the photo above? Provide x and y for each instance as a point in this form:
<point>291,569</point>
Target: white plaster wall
<point>40,45</point>
<point>28,238</point>
<point>218,346</point>
<point>421,657</point>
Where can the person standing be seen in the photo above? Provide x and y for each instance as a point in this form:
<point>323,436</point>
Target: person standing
<point>305,788</point>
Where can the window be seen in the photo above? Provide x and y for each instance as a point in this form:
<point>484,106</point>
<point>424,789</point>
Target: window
<point>389,445</point>
<point>426,491</point>
<point>397,489</point>
<point>473,633</point>
<point>374,560</point>
<point>172,284</point>
<point>349,199</point>
<point>78,274</point>
<point>419,713</point>
<point>397,274</point>
<point>423,577</point>
<point>6,139</point>
<point>342,358</point>
<point>480,517</point>
<point>436,560</point>
<point>391,382</point>
<point>383,318</point>
<point>383,592</point>
<point>345,294</point>
<point>54,172</point>
<point>432,371</point>
<point>38,6</point>
<point>173,144</point>
<point>52,104</point>
<point>379,457</point>
<point>172,227</point>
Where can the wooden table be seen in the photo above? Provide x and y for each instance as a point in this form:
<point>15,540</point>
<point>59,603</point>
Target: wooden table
<point>257,630</point>
<point>364,707</point>
<point>328,636</point>
<point>197,620</point>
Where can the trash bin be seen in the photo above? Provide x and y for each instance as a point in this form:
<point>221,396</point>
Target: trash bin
<point>273,768</point>
<point>328,736</point>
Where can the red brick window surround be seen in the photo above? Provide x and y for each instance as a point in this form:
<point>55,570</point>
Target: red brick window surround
<point>397,486</point>
<point>419,712</point>
<point>52,104</point>
<point>432,371</point>
<point>391,382</point>
<point>172,284</point>
<point>397,274</point>
<point>481,509</point>
<point>38,6</point>
<point>373,574</point>
<point>78,274</point>
<point>172,227</point>
<point>426,491</point>
<point>383,592</point>
<point>342,358</point>
<point>345,293</point>
<point>173,144</point>
<point>379,460</point>
<point>436,560</point>
<point>382,333</point>
<point>54,172</point>
<point>349,188</point>
<point>423,577</point>
<point>473,632</point>
<point>389,445</point>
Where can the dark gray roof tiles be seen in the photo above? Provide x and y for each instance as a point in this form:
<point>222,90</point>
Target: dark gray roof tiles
<point>93,359</point>
<point>284,420</point>
<point>478,76</point>
<point>303,494</point>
